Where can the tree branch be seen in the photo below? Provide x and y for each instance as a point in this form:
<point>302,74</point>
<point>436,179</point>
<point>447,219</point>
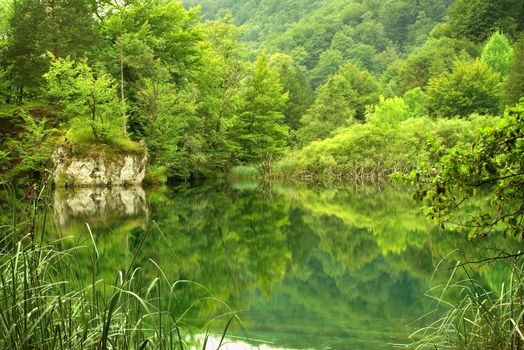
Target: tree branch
<point>502,255</point>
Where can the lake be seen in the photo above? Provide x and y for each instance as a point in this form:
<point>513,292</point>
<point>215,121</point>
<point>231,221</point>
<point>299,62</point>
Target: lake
<point>303,267</point>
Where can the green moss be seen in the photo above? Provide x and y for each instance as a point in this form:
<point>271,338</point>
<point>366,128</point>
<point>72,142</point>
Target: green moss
<point>114,141</point>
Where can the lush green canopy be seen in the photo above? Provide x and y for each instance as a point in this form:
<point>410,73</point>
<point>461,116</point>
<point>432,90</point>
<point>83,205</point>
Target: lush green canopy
<point>206,94</point>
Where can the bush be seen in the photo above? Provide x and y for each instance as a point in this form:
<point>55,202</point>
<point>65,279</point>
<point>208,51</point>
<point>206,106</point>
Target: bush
<point>28,154</point>
<point>382,146</point>
<point>155,175</point>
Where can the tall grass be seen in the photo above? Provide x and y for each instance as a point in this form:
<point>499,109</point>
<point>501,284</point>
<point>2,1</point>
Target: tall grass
<point>44,306</point>
<point>283,170</point>
<point>245,172</point>
<point>477,317</point>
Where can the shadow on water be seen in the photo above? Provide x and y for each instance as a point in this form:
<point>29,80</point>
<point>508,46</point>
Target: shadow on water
<point>305,267</point>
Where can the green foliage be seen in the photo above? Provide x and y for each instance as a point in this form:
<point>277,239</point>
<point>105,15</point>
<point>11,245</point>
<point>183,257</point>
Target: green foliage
<point>294,82</point>
<point>328,64</point>
<point>397,16</point>
<point>514,85</point>
<point>493,163</point>
<point>416,101</point>
<point>153,33</point>
<point>263,18</point>
<point>478,19</point>
<point>260,130</point>
<point>84,94</point>
<point>388,112</point>
<point>187,86</point>
<point>5,84</point>
<point>159,49</point>
<point>168,129</point>
<point>217,96</point>
<point>155,175</point>
<point>36,27</point>
<point>498,54</point>
<point>307,29</point>
<point>472,87</point>
<point>435,57</point>
<point>332,109</point>
<point>5,15</point>
<point>271,21</point>
<point>28,155</point>
<point>22,51</point>
<point>341,100</point>
<point>376,149</point>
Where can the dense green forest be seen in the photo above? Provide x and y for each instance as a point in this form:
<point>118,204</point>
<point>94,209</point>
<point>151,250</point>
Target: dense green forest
<point>339,89</point>
<point>429,92</point>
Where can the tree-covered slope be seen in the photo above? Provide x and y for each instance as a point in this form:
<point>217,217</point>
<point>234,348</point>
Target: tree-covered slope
<point>209,85</point>
<point>346,29</point>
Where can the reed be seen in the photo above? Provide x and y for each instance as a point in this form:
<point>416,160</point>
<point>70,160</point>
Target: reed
<point>245,172</point>
<point>477,317</point>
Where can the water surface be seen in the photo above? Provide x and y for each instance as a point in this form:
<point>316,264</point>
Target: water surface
<point>303,267</point>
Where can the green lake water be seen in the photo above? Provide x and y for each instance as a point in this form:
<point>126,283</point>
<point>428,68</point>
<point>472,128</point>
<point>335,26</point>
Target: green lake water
<point>304,267</point>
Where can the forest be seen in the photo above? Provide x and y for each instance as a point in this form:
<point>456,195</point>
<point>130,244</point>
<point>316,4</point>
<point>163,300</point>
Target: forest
<point>297,96</point>
<point>337,89</point>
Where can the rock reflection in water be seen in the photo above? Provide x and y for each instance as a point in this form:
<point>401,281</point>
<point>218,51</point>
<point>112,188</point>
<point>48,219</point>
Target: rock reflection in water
<point>99,205</point>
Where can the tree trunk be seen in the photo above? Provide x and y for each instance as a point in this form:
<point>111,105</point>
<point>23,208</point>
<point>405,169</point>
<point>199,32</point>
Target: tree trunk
<point>122,97</point>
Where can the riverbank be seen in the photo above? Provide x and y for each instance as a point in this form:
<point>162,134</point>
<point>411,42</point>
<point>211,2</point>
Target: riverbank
<point>371,152</point>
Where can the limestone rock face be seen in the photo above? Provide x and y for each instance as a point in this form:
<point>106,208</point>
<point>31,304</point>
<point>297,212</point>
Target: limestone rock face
<point>98,169</point>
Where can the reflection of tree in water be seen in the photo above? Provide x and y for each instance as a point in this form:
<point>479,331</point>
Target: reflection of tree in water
<point>351,279</point>
<point>348,249</point>
<point>373,262</point>
<point>231,242</point>
<point>356,260</point>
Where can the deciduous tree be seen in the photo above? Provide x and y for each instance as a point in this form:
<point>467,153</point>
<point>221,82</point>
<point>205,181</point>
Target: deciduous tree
<point>84,94</point>
<point>493,165</point>
<point>514,86</point>
<point>260,130</point>
<point>64,28</point>
<point>478,19</point>
<point>498,53</point>
<point>295,83</point>
<point>472,87</point>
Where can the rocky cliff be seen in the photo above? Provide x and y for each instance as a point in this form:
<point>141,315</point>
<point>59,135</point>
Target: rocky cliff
<point>101,168</point>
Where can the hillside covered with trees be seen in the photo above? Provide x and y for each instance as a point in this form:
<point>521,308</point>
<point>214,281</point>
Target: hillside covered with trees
<point>341,89</point>
<point>430,92</point>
